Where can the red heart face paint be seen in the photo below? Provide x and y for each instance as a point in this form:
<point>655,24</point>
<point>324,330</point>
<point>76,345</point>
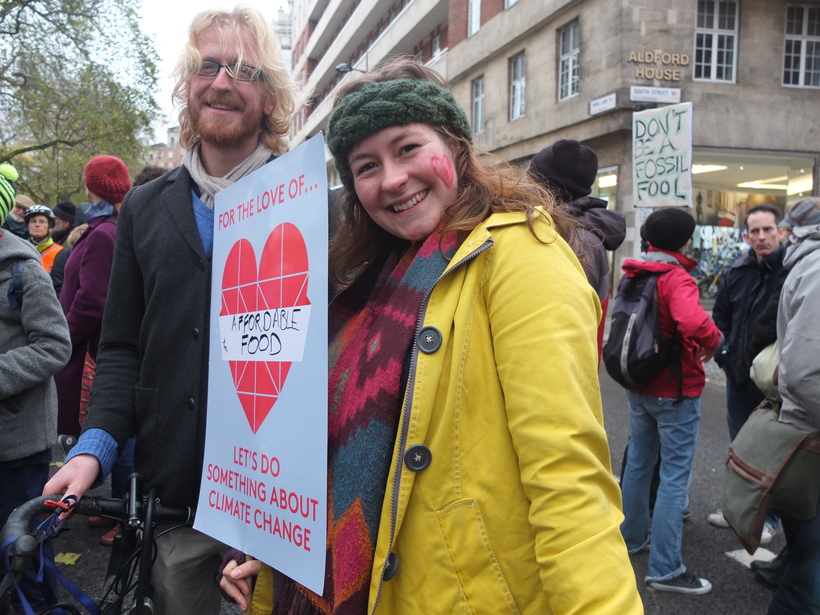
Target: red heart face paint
<point>443,168</point>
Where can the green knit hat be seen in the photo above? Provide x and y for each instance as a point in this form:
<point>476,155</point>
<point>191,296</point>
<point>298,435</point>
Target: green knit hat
<point>390,103</point>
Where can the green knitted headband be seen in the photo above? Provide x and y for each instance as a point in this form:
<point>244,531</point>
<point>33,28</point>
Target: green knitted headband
<point>390,103</point>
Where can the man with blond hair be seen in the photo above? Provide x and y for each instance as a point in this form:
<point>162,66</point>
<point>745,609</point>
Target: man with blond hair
<point>152,373</point>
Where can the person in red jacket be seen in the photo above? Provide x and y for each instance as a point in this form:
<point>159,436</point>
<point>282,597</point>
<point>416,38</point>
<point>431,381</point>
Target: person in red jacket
<point>665,414</point>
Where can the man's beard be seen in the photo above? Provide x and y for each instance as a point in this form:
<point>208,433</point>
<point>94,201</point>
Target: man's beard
<point>58,236</point>
<point>223,132</point>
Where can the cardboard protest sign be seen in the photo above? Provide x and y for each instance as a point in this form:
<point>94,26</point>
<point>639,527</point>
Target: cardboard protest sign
<point>264,480</point>
<point>662,156</point>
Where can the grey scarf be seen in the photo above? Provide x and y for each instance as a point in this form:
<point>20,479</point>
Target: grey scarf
<point>209,185</point>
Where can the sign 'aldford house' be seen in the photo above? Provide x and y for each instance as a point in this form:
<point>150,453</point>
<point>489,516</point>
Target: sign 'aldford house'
<point>658,64</point>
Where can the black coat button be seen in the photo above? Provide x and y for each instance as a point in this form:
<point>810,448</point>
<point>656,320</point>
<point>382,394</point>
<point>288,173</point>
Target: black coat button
<point>429,339</point>
<point>202,264</point>
<point>191,403</point>
<point>391,567</point>
<point>417,457</point>
<point>195,333</point>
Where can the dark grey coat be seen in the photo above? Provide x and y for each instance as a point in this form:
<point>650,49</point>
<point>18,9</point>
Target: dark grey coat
<point>152,371</point>
<point>34,345</point>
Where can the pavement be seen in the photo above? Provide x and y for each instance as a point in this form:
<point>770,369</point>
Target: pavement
<point>713,553</point>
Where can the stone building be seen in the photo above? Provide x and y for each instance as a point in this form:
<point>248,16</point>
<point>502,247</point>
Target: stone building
<point>168,155</point>
<point>530,72</point>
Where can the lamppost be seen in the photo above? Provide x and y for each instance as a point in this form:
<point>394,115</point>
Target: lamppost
<point>344,67</point>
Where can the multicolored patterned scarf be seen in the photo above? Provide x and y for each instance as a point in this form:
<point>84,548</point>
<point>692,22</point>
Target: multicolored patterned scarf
<point>372,325</point>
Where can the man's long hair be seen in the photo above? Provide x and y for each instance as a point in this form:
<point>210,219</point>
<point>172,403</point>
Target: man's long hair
<point>252,33</point>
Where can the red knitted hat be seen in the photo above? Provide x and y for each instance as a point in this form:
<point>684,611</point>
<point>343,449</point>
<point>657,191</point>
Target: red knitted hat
<point>107,177</point>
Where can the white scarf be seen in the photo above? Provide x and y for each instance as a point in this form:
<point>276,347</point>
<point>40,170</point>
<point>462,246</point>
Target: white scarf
<point>209,185</point>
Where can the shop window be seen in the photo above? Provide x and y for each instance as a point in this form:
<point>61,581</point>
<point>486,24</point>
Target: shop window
<point>801,59</point>
<point>473,16</point>
<point>518,86</point>
<point>725,185</point>
<point>570,52</point>
<point>716,40</point>
<point>606,186</point>
<point>478,105</point>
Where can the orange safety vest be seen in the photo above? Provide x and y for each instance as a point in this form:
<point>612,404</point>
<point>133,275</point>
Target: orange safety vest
<point>49,254</point>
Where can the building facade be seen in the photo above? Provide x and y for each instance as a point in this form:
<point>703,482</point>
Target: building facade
<point>530,72</point>
<point>168,155</point>
<point>354,35</point>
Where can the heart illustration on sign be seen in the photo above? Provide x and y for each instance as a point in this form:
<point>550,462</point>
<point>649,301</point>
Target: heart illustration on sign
<point>281,281</point>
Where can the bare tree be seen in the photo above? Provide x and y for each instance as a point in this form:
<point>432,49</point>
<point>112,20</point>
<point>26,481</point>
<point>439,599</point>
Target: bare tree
<point>77,79</point>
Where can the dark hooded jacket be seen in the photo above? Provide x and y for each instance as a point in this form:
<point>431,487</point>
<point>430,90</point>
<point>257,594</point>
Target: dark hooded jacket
<point>601,229</point>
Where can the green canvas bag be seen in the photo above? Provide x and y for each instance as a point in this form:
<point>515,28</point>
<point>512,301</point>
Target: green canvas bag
<point>769,466</point>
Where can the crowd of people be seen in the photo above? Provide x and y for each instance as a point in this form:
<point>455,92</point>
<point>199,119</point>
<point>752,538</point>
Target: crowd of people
<point>765,297</point>
<point>454,276</point>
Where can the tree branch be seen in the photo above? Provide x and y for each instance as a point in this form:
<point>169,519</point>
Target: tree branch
<point>8,155</point>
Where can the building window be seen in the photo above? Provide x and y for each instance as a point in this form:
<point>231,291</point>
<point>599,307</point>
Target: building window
<point>801,60</point>
<point>473,16</point>
<point>716,40</point>
<point>568,61</point>
<point>437,45</point>
<point>509,3</point>
<point>518,86</point>
<point>419,57</point>
<point>478,105</point>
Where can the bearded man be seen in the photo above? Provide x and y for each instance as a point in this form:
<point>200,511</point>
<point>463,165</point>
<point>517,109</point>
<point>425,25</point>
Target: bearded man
<point>152,372</point>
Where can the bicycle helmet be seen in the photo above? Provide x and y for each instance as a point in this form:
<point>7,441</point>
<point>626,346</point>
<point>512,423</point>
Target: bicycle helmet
<point>40,210</point>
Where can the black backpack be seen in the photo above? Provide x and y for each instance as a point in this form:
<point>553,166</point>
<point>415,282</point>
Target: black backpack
<point>636,351</point>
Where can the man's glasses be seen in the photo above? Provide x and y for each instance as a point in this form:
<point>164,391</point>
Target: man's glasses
<point>240,72</point>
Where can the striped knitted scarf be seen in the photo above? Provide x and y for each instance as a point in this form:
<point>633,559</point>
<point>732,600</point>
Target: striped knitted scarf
<point>372,325</point>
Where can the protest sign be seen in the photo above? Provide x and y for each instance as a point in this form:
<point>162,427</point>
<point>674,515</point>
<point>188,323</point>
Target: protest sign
<point>264,479</point>
<point>662,156</point>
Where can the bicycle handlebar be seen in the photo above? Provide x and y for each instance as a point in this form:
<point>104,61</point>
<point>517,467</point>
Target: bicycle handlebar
<point>19,521</point>
<point>19,525</point>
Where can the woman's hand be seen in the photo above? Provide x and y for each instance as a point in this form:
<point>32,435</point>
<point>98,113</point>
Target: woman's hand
<point>234,580</point>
